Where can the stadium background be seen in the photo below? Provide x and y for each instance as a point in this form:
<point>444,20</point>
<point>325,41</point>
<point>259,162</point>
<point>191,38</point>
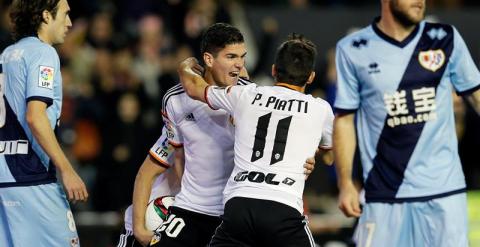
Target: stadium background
<point>120,56</point>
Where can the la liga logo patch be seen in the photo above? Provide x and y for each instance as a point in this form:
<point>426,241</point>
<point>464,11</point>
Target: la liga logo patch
<point>432,59</point>
<point>45,77</point>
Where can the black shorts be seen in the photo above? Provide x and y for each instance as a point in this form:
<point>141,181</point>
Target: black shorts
<point>127,239</point>
<point>184,228</point>
<point>262,223</point>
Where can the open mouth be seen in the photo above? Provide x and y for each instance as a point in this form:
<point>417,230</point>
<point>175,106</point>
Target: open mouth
<point>234,74</point>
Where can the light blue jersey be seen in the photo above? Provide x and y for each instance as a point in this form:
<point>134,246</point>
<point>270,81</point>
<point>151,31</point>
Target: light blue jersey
<point>34,210</point>
<point>401,93</point>
<point>31,71</point>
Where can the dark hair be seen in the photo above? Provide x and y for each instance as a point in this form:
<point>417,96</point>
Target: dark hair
<point>219,35</point>
<point>295,60</point>
<point>27,15</point>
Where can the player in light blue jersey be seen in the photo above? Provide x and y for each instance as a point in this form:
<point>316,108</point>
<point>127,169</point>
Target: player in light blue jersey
<point>34,210</point>
<point>395,80</point>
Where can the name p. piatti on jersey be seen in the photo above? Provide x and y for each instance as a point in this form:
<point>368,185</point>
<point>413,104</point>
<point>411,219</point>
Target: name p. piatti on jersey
<point>272,102</point>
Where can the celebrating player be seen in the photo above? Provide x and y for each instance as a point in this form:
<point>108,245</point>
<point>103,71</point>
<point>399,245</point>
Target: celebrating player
<point>276,129</point>
<point>207,138</point>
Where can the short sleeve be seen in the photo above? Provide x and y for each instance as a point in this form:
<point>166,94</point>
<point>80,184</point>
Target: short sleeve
<point>43,72</point>
<point>162,151</point>
<point>223,97</point>
<point>464,73</point>
<point>173,134</point>
<point>348,95</point>
<point>327,131</point>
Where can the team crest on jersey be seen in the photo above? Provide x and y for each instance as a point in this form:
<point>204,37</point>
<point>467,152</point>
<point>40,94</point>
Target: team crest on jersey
<point>432,59</point>
<point>45,77</point>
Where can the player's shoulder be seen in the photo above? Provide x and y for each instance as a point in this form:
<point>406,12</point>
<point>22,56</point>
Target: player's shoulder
<point>242,81</point>
<point>428,26</point>
<point>172,97</point>
<point>37,47</point>
<point>438,31</point>
<point>319,102</point>
<point>356,39</point>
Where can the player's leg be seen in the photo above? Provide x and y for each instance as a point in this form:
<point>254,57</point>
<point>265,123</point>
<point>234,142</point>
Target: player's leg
<point>5,236</point>
<point>384,224</point>
<point>185,228</point>
<point>237,227</point>
<point>442,222</point>
<point>40,216</point>
<point>127,239</point>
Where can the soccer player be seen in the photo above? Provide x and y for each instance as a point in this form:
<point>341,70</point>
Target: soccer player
<point>276,129</point>
<point>395,80</point>
<point>207,139</point>
<point>154,179</point>
<point>34,210</point>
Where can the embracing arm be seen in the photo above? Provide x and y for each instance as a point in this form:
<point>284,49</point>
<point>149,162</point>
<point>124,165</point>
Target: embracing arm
<point>344,139</point>
<point>38,122</point>
<point>192,82</point>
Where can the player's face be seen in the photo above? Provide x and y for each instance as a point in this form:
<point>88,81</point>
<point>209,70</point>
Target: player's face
<point>408,12</point>
<point>59,26</point>
<point>228,63</point>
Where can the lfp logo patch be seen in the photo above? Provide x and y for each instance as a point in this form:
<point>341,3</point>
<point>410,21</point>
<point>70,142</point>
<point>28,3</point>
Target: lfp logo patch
<point>45,77</point>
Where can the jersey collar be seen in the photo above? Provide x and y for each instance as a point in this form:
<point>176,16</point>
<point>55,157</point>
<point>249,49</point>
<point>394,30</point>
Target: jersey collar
<point>289,86</point>
<point>390,40</point>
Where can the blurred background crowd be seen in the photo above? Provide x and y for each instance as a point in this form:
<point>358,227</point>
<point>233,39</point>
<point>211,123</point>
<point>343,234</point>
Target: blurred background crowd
<point>121,56</point>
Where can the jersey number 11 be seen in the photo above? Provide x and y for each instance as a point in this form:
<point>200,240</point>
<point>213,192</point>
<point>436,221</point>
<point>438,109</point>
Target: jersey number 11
<point>280,138</point>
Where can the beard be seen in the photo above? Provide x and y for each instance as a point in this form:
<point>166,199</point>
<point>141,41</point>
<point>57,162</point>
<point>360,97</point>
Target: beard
<point>402,16</point>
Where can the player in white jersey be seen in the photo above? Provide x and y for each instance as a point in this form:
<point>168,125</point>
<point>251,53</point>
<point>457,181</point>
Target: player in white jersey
<point>162,180</point>
<point>207,138</point>
<point>276,129</point>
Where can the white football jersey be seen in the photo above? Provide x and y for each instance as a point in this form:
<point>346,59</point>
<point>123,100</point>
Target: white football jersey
<point>166,183</point>
<point>207,138</point>
<point>276,130</point>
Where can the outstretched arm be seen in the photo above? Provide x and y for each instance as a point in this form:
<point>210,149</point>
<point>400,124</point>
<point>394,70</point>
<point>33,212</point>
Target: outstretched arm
<point>192,82</point>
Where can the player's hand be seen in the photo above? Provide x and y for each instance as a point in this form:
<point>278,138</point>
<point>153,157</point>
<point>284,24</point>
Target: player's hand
<point>143,236</point>
<point>190,63</point>
<point>348,200</point>
<point>74,186</point>
<point>309,167</point>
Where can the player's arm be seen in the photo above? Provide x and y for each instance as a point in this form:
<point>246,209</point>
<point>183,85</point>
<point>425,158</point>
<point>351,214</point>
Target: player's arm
<point>325,155</point>
<point>474,100</point>
<point>193,83</point>
<point>161,157</point>
<point>39,123</point>
<point>146,175</point>
<point>344,139</point>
